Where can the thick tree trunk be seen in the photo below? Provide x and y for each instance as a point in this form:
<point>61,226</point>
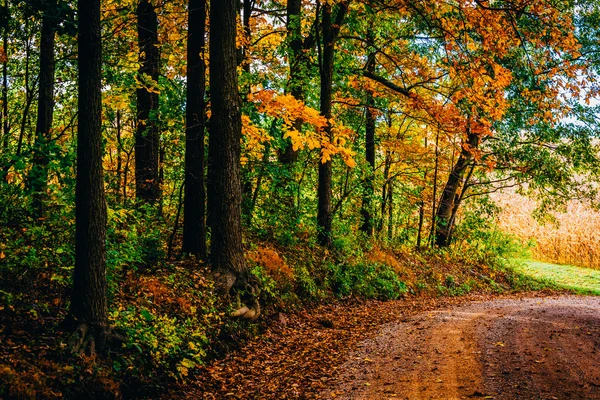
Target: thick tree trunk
<point>194,225</point>
<point>330,29</point>
<point>89,307</point>
<point>458,200</point>
<point>147,180</point>
<point>224,176</point>
<point>443,218</point>
<point>5,124</point>
<point>369,189</point>
<point>38,177</point>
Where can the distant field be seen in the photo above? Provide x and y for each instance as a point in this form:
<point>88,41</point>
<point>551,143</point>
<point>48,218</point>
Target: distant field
<point>570,237</point>
<point>581,280</point>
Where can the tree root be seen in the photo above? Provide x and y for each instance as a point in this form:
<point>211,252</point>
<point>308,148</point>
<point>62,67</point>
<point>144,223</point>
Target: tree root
<point>91,339</point>
<point>250,314</point>
<point>245,290</point>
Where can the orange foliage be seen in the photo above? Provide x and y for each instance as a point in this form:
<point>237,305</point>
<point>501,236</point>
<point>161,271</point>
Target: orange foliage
<point>290,110</point>
<point>272,262</point>
<point>158,293</point>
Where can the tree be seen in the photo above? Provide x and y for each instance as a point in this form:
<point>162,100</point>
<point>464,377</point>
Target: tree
<point>147,135</point>
<point>369,189</point>
<point>297,67</point>
<point>452,194</point>
<point>89,304</point>
<point>330,28</point>
<point>224,180</point>
<point>194,227</point>
<point>38,176</point>
<point>5,20</point>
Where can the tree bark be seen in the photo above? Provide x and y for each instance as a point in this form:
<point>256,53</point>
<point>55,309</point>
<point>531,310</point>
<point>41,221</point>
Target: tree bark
<point>387,165</point>
<point>391,210</point>
<point>443,218</point>
<point>431,237</point>
<point>29,95</point>
<point>224,176</point>
<point>147,180</point>
<point>194,225</point>
<point>458,200</point>
<point>38,177</point>
<point>330,29</point>
<point>89,306</point>
<point>119,158</point>
<point>369,189</point>
<point>5,123</point>
<point>298,70</point>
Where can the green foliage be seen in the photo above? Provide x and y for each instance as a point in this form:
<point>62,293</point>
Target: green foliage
<point>453,288</point>
<point>307,288</point>
<point>32,246</point>
<point>167,343</point>
<point>167,324</point>
<point>481,236</point>
<point>368,280</point>
<point>269,290</point>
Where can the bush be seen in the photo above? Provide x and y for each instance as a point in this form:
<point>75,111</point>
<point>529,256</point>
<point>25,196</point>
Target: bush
<point>369,280</point>
<point>168,319</point>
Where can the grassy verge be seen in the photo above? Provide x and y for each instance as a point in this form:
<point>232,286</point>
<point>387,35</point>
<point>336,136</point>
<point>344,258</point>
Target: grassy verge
<point>580,280</point>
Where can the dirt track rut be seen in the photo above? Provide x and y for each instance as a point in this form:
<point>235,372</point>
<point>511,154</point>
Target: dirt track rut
<point>537,348</point>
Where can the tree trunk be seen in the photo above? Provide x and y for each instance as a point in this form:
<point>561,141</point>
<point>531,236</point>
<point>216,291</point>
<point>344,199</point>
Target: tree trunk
<point>369,189</point>
<point>224,175</point>
<point>89,308</point>
<point>5,124</point>
<point>38,177</point>
<point>147,180</point>
<point>431,238</point>
<point>421,208</point>
<point>28,92</point>
<point>391,210</point>
<point>119,158</point>
<point>458,201</point>
<point>298,70</point>
<point>330,29</point>
<point>386,181</point>
<point>247,6</point>
<point>443,219</point>
<point>194,225</point>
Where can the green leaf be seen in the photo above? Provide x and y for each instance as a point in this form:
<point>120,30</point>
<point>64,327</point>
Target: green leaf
<point>147,315</point>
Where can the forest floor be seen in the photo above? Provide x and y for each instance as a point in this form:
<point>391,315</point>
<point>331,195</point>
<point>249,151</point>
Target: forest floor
<point>535,345</point>
<point>344,349</point>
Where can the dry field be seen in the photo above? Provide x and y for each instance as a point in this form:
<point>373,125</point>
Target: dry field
<point>573,238</point>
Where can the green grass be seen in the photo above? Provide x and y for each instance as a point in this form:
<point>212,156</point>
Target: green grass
<point>581,280</point>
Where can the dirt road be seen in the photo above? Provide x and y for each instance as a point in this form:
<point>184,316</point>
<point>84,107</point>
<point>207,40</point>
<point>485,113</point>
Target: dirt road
<point>541,348</point>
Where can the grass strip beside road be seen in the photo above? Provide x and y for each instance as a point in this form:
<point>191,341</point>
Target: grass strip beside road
<point>581,280</point>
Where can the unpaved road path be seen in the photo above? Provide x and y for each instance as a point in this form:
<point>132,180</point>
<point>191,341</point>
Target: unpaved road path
<point>538,348</point>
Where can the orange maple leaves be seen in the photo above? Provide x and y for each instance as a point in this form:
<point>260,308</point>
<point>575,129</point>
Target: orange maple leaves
<point>303,125</point>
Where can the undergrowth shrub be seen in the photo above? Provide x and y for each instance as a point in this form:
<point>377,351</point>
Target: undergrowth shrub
<point>476,237</point>
<point>168,319</point>
<point>368,280</point>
